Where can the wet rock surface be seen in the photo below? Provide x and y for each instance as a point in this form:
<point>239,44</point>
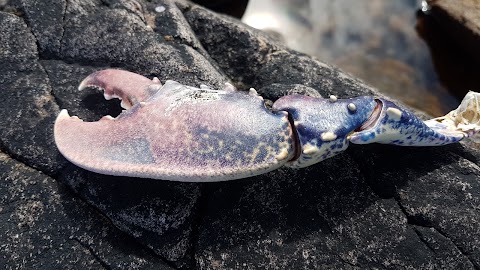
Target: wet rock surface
<point>461,20</point>
<point>452,31</point>
<point>374,206</point>
<point>372,40</point>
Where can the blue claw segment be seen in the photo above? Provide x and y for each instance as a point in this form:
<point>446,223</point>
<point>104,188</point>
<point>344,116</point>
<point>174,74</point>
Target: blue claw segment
<point>391,124</point>
<point>323,125</point>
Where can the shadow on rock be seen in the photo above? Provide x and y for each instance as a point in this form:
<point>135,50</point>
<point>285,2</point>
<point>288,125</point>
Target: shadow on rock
<point>158,214</point>
<point>388,168</point>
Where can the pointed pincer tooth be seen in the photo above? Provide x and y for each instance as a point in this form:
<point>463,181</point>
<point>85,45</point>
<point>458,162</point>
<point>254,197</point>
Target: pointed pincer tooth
<point>229,87</point>
<point>126,104</point>
<point>107,118</point>
<point>253,92</point>
<point>74,117</point>
<point>156,80</point>
<point>92,81</point>
<point>109,96</point>
<point>84,84</point>
<point>63,115</point>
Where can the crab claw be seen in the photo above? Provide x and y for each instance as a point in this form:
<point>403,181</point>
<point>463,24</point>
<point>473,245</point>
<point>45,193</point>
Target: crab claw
<point>177,132</point>
<point>391,124</point>
<point>180,133</point>
<point>130,87</point>
<point>323,125</point>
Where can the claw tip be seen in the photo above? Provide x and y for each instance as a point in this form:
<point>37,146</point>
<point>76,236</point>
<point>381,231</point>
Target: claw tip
<point>83,85</point>
<point>63,114</point>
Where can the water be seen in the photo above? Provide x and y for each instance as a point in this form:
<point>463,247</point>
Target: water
<point>375,40</point>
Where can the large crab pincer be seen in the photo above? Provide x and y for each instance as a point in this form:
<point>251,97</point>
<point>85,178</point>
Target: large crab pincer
<point>178,132</point>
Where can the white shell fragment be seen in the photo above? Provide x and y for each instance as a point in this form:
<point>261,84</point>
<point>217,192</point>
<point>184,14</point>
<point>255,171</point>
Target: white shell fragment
<point>466,118</point>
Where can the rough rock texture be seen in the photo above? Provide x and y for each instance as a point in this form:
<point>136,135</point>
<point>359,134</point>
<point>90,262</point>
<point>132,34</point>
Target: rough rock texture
<point>374,206</point>
<point>45,226</point>
<point>452,31</point>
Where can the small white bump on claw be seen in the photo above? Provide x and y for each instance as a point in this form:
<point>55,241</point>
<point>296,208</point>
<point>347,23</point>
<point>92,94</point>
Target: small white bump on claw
<point>309,149</point>
<point>394,114</point>
<point>328,136</point>
<point>352,107</point>
<point>282,155</point>
<point>333,98</point>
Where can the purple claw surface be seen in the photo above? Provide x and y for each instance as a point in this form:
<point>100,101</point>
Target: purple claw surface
<point>181,133</point>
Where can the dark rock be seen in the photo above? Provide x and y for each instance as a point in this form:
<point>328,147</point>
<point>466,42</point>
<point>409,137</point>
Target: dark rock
<point>253,59</point>
<point>8,6</point>
<point>461,21</point>
<point>276,90</point>
<point>240,51</point>
<point>451,30</point>
<point>43,225</point>
<point>293,68</point>
<point>145,209</point>
<point>46,23</point>
<point>234,8</point>
<point>333,217</point>
<point>27,115</point>
<point>374,206</point>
